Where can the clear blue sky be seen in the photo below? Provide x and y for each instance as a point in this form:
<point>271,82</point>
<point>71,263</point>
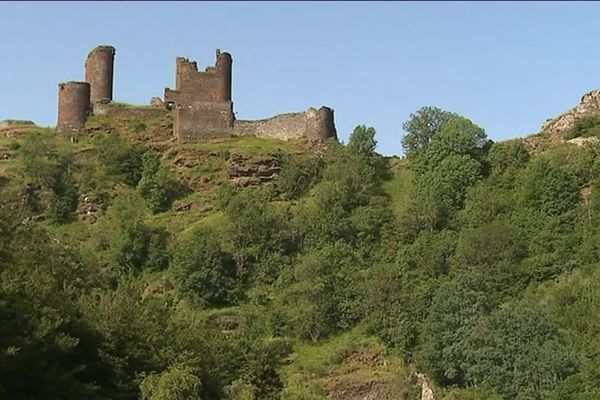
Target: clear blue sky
<point>507,66</point>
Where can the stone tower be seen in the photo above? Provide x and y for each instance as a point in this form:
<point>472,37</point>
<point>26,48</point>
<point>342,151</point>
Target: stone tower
<point>73,105</point>
<point>99,73</point>
<point>223,71</point>
<point>320,124</point>
<point>201,101</point>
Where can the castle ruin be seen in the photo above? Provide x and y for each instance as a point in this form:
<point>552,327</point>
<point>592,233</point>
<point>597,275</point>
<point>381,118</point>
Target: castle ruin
<point>99,73</point>
<point>201,103</point>
<point>73,105</point>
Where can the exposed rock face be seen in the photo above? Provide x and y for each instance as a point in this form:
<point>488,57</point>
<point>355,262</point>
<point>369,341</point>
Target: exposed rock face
<point>426,390</point>
<point>92,206</point>
<point>371,390</point>
<point>580,141</point>
<point>555,128</point>
<point>182,207</point>
<point>244,171</point>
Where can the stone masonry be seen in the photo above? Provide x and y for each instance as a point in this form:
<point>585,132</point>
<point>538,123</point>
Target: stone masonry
<point>203,108</point>
<point>99,68</point>
<point>73,105</point>
<point>201,103</point>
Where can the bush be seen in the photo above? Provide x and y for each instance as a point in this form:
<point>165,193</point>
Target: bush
<point>300,392</point>
<point>586,126</point>
<point>297,175</point>
<point>49,168</point>
<point>548,188</point>
<point>121,159</point>
<point>204,272</point>
<point>138,126</point>
<point>158,186</point>
<point>176,383</point>
<point>127,241</point>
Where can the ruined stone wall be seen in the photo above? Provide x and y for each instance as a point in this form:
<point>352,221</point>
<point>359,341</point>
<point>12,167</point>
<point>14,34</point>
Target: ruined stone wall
<point>99,73</point>
<point>315,125</point>
<point>282,127</point>
<point>204,120</point>
<point>73,105</point>
<point>128,111</point>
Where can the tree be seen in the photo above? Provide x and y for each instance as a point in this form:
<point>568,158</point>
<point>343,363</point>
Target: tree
<point>519,352</point>
<point>298,174</point>
<point>127,242</point>
<point>507,158</point>
<point>205,273</point>
<point>457,307</point>
<point>178,382</point>
<point>46,350</point>
<point>451,164</point>
<point>306,304</point>
<point>548,188</point>
<point>458,136</point>
<point>49,167</point>
<point>255,230</point>
<point>362,141</point>
<point>157,185</point>
<point>493,252</point>
<point>121,159</point>
<point>421,127</point>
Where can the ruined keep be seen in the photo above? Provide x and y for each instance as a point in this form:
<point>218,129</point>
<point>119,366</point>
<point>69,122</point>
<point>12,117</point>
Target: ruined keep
<point>201,103</point>
<point>73,105</point>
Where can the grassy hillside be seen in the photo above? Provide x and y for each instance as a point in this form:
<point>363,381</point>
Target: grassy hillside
<point>136,266</point>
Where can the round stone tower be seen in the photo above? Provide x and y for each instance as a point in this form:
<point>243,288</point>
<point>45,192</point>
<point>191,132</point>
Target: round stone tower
<point>99,73</point>
<point>73,105</point>
<point>319,124</point>
<point>223,69</point>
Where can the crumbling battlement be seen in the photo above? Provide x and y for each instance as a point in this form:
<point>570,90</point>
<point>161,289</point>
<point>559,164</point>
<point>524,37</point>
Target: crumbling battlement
<point>313,124</point>
<point>201,103</point>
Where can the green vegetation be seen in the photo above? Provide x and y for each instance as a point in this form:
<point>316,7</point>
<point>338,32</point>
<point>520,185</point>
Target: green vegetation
<point>132,267</point>
<point>585,126</point>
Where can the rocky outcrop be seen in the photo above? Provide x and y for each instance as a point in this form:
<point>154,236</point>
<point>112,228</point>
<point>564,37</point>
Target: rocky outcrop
<point>556,128</point>
<point>182,207</point>
<point>374,389</point>
<point>92,205</point>
<point>251,171</point>
<point>580,141</point>
<point>426,390</point>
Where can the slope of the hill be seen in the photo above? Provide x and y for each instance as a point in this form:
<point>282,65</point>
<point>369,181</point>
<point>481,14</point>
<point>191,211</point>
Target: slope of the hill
<point>134,266</point>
